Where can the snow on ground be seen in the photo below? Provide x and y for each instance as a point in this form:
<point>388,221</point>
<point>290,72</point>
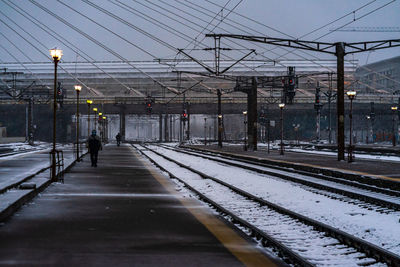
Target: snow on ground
<point>311,244</point>
<point>14,173</point>
<point>378,228</point>
<point>356,155</point>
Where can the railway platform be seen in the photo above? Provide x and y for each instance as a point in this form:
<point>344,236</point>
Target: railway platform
<point>387,172</point>
<point>122,213</point>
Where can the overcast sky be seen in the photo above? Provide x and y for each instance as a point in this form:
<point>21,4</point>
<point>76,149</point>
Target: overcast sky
<point>178,22</point>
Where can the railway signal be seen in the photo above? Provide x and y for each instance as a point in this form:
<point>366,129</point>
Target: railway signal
<point>149,105</point>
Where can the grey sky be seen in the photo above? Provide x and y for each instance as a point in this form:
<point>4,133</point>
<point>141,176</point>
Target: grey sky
<point>292,17</point>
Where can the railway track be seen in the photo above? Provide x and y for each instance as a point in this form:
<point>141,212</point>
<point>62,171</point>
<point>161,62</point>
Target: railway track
<point>388,200</point>
<point>301,240</point>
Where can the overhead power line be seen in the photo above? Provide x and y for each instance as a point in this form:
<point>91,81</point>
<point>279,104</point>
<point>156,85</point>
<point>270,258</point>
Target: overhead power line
<point>101,45</point>
<point>367,29</point>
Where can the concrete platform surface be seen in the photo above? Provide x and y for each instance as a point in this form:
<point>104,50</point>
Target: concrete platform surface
<point>122,213</point>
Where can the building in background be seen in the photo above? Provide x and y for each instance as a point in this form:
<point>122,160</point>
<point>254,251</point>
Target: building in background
<point>382,77</point>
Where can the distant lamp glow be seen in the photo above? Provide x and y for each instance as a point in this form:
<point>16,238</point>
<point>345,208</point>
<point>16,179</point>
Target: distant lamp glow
<point>281,105</point>
<point>95,109</point>
<point>394,108</point>
<point>220,116</point>
<point>104,117</point>
<point>89,102</point>
<point>78,88</point>
<point>100,113</point>
<point>56,54</point>
<point>244,112</point>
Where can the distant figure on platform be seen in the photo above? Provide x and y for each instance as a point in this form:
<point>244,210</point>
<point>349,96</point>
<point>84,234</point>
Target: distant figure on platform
<point>94,145</point>
<point>118,137</point>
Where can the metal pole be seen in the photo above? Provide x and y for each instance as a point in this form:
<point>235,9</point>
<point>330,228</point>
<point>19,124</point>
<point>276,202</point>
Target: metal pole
<point>205,131</point>
<point>160,131</point>
<point>95,121</point>
<point>269,124</point>
<point>77,126</point>
<point>329,107</point>
<point>245,132</point>
<point>53,153</point>
<point>393,130</point>
<point>340,100</point>
<point>281,152</point>
<point>219,119</point>
<point>88,118</point>
<point>350,157</point>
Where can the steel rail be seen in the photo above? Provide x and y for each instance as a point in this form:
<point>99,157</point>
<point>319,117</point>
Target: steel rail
<point>266,240</point>
<point>361,179</point>
<point>354,195</point>
<point>360,245</point>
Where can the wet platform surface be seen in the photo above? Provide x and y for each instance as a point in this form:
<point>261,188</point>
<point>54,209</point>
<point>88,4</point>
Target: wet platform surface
<point>377,168</point>
<point>120,214</point>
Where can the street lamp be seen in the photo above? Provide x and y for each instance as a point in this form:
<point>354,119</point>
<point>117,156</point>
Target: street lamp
<point>281,106</point>
<point>245,129</point>
<point>95,118</point>
<point>105,129</point>
<point>89,102</point>
<point>219,130</point>
<point>56,54</point>
<point>368,131</point>
<point>394,109</point>
<point>351,95</point>
<point>78,89</point>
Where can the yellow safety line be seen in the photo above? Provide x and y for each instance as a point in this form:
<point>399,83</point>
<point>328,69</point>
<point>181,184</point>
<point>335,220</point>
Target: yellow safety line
<point>238,246</point>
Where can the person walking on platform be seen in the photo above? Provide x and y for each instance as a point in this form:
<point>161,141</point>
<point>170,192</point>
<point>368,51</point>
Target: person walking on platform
<point>118,137</point>
<point>94,145</point>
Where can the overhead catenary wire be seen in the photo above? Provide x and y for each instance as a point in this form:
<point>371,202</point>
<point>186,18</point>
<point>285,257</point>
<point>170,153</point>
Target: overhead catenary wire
<point>127,23</point>
<point>101,45</point>
<point>319,28</point>
<point>200,26</point>
<point>34,38</point>
<point>66,42</point>
<point>207,24</point>
<point>292,37</point>
<point>23,65</point>
<point>41,52</point>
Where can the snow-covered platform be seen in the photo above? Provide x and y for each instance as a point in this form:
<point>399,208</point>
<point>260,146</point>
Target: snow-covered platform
<point>385,168</point>
<point>124,212</point>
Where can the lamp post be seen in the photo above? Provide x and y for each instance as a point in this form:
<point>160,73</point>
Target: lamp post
<point>220,130</point>
<point>368,131</point>
<point>245,129</point>
<point>56,54</point>
<point>104,128</point>
<point>281,106</point>
<point>351,95</point>
<point>78,89</point>
<point>394,109</point>
<point>100,126</point>
<point>95,120</point>
<point>205,131</point>
<point>89,102</point>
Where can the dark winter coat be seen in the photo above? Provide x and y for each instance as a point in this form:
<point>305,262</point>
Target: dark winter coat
<point>94,144</point>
